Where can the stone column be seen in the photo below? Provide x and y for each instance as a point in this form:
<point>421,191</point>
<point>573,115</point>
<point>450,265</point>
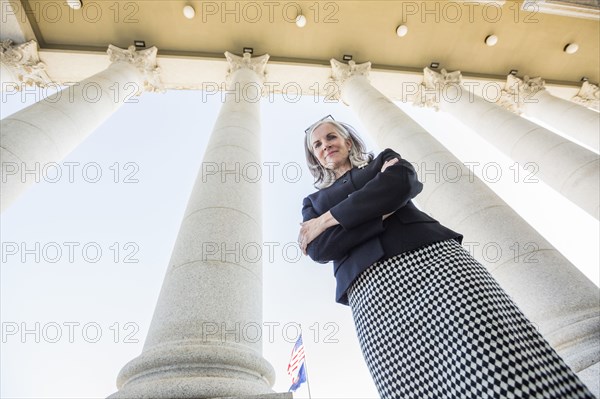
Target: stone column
<point>47,131</point>
<point>545,285</point>
<point>529,96</point>
<point>588,96</point>
<point>565,166</point>
<point>20,64</point>
<point>202,341</point>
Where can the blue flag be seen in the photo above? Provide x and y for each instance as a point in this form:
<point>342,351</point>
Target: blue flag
<point>301,378</point>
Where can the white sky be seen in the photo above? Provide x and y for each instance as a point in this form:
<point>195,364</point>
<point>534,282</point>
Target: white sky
<point>164,136</point>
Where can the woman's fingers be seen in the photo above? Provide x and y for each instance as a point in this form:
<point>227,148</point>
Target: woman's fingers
<point>302,237</point>
<point>311,229</point>
<point>389,163</point>
<point>307,234</point>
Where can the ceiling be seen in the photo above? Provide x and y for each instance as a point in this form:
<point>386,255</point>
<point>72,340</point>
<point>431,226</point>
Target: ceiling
<point>449,32</point>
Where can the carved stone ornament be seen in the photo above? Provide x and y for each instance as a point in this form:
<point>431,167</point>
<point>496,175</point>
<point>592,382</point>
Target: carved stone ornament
<point>588,96</point>
<point>516,92</point>
<point>24,61</point>
<point>431,90</point>
<point>340,72</point>
<point>143,60</point>
<point>257,64</point>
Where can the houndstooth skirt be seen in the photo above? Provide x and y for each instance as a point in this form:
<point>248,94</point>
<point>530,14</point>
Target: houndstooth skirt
<point>433,323</point>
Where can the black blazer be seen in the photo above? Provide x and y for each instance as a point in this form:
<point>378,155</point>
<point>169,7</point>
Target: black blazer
<point>358,200</point>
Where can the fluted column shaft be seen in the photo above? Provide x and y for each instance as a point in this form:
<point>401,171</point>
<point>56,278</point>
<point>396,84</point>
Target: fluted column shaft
<point>49,130</point>
<point>545,285</point>
<point>565,166</point>
<point>202,341</point>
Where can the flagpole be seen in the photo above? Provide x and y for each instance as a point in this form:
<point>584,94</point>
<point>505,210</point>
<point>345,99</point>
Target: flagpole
<point>305,365</point>
<point>307,379</point>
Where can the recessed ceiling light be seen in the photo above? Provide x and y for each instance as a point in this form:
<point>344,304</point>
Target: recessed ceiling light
<point>402,30</point>
<point>513,72</point>
<point>74,4</point>
<point>347,57</point>
<point>300,21</point>
<point>139,43</point>
<point>189,12</point>
<point>585,79</point>
<point>248,50</point>
<point>571,48</point>
<point>434,65</point>
<point>491,40</point>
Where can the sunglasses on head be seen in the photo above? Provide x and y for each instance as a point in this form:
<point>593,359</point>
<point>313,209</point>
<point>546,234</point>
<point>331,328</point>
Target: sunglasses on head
<point>328,117</point>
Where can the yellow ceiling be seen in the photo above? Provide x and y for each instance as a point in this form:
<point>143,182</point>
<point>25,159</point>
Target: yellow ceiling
<point>451,33</point>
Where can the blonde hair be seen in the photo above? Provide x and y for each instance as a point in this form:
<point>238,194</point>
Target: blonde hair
<point>359,157</point>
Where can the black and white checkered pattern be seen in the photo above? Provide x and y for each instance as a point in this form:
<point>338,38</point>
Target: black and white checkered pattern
<point>433,323</point>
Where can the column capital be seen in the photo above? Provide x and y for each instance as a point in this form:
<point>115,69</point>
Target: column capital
<point>588,96</point>
<point>516,91</point>
<point>257,64</point>
<point>430,91</point>
<point>434,80</point>
<point>340,71</point>
<point>24,60</point>
<point>143,60</point>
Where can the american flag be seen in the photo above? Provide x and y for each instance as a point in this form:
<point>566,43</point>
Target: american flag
<point>297,367</point>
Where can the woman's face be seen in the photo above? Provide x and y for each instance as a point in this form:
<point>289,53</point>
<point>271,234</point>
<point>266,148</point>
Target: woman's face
<point>330,148</point>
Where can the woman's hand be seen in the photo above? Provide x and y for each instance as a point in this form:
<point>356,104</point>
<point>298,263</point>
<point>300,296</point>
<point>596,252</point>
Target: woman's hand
<point>389,163</point>
<point>312,228</point>
<point>384,167</point>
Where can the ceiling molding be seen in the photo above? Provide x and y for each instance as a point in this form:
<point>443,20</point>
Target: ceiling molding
<point>573,9</point>
<point>451,33</point>
<point>498,3</point>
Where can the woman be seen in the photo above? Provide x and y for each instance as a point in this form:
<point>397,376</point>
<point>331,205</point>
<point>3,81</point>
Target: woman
<point>431,321</point>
